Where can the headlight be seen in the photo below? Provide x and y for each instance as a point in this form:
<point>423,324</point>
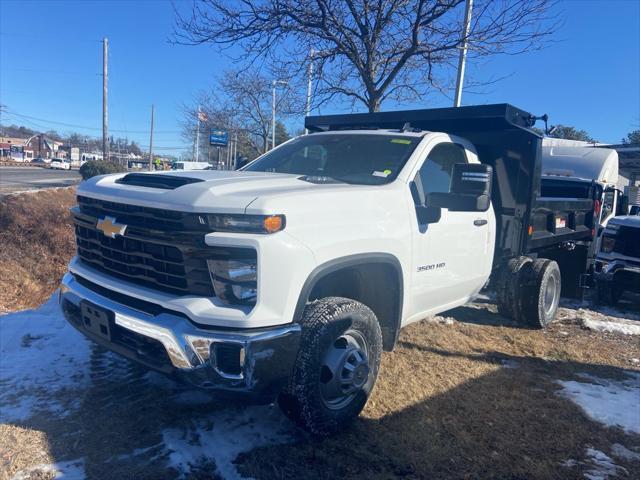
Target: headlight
<point>608,243</point>
<point>246,223</point>
<point>235,278</point>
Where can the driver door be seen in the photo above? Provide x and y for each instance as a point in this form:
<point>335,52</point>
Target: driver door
<point>452,257</point>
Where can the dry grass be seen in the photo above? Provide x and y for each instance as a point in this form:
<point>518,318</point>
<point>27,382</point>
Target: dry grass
<point>34,449</point>
<point>36,244</point>
<point>445,406</point>
<point>473,399</point>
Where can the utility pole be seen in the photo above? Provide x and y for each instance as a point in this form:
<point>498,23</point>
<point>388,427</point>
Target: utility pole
<point>463,53</point>
<point>273,117</point>
<point>198,136</point>
<point>235,150</point>
<point>151,140</point>
<point>307,109</point>
<point>273,112</point>
<point>105,113</point>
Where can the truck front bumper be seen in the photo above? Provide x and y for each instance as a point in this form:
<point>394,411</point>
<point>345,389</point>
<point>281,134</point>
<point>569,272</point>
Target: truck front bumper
<point>625,274</point>
<point>257,361</point>
<point>606,270</point>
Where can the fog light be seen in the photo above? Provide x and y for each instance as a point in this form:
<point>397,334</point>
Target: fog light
<point>235,281</point>
<point>227,358</point>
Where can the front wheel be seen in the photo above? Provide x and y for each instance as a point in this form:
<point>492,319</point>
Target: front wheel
<point>337,365</point>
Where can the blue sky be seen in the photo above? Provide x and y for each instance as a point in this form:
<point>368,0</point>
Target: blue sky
<point>51,60</point>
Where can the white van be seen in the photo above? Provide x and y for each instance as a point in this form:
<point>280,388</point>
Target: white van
<point>191,165</point>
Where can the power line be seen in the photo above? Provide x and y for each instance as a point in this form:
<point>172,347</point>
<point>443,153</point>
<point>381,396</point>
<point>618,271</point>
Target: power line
<point>71,125</point>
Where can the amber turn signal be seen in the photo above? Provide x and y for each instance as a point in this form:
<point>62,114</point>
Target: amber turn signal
<point>273,223</point>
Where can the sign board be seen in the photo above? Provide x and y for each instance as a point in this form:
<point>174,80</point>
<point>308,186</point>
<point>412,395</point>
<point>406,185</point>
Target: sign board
<point>16,153</point>
<point>218,138</point>
<point>74,154</point>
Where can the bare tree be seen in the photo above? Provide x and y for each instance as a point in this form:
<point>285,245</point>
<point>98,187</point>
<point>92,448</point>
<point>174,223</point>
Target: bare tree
<point>366,50</point>
<point>241,103</point>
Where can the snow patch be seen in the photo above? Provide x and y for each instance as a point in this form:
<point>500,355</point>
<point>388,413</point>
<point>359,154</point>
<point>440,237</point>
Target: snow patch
<point>620,451</point>
<point>508,363</point>
<point>221,437</point>
<point>626,327</point>
<point>584,306</point>
<point>440,320</point>
<point>41,355</point>
<point>614,403</point>
<point>71,470</point>
<point>602,466</point>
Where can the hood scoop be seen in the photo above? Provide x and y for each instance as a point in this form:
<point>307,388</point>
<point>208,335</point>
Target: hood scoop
<point>157,180</point>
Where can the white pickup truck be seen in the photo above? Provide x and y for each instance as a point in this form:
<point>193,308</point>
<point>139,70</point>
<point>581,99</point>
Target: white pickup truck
<point>287,279</point>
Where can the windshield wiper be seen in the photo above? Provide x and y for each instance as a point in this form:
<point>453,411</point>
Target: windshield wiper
<point>321,179</point>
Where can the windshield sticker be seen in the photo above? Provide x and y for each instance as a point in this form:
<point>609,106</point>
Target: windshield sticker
<point>384,174</point>
<point>401,140</point>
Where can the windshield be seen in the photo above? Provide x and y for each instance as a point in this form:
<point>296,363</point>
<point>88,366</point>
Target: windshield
<point>367,159</point>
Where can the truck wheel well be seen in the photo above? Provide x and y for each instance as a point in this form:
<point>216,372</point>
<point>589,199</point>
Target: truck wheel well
<point>377,285</point>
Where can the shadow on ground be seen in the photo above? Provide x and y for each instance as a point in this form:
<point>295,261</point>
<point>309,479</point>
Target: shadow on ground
<point>132,423</point>
<point>508,424</point>
<point>475,398</point>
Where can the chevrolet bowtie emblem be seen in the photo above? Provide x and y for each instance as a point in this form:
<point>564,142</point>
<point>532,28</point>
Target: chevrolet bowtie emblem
<point>110,227</point>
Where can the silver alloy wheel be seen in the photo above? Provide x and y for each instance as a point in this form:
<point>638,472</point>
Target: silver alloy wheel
<point>345,370</point>
<point>551,296</point>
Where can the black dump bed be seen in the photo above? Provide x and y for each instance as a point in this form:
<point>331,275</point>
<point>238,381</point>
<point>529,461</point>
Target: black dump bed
<point>503,138</point>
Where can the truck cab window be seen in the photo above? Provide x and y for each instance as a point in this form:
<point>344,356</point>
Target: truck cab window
<point>435,173</point>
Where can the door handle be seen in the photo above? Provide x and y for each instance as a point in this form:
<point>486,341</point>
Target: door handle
<point>480,222</point>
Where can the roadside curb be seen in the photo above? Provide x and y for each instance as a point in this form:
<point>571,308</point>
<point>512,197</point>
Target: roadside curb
<point>20,164</point>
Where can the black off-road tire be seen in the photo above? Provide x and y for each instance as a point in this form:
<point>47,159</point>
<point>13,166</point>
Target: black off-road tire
<point>324,323</point>
<point>540,296</point>
<point>607,293</point>
<point>509,286</point>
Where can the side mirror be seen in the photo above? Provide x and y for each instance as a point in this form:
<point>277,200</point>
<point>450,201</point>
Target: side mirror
<point>470,189</point>
<point>427,214</point>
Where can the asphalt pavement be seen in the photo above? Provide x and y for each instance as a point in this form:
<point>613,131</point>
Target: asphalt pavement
<point>16,179</point>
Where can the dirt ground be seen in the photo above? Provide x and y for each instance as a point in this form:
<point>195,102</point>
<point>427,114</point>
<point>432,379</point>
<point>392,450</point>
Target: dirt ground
<point>465,395</point>
<point>472,399</point>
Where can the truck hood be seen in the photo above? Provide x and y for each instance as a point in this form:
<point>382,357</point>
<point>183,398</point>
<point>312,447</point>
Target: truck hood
<point>632,221</point>
<point>213,191</point>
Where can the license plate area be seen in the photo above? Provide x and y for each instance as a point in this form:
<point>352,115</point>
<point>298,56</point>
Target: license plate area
<point>96,320</point>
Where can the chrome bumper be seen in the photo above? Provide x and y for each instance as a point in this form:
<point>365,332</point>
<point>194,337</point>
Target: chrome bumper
<point>266,356</point>
<point>608,269</point>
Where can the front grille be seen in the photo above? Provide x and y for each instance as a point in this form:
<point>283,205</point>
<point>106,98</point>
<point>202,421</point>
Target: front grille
<point>628,241</point>
<point>161,249</point>
<point>142,217</point>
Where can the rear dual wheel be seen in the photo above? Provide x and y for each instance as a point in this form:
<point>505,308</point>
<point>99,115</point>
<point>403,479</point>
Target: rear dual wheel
<point>541,294</point>
<point>528,291</point>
